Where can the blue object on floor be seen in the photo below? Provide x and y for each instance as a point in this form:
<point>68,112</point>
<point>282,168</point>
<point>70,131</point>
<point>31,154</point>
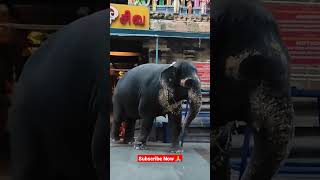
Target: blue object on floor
<point>166,129</point>
<point>166,133</point>
<point>245,151</point>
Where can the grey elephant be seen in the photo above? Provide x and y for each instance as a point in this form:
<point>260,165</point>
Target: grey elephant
<point>151,90</point>
<point>251,66</point>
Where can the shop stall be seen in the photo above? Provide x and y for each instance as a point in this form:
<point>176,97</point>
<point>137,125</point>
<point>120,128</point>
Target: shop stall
<point>130,25</point>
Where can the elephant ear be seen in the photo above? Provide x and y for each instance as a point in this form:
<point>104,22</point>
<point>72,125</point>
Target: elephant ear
<point>169,75</point>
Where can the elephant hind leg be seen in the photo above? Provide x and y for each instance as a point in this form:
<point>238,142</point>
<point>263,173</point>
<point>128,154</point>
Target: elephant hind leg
<point>117,120</point>
<point>145,112</point>
<point>146,127</point>
<point>130,128</point>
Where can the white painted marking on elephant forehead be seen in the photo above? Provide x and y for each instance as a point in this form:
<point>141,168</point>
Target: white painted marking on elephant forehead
<point>233,62</point>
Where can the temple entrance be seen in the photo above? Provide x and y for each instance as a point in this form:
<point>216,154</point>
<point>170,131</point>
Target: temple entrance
<point>125,55</point>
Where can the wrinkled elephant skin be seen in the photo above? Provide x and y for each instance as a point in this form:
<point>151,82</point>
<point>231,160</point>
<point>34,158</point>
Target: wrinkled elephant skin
<point>151,90</point>
<point>251,67</point>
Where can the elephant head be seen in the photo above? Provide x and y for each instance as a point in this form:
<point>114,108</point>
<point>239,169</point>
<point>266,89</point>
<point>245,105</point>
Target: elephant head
<point>180,82</point>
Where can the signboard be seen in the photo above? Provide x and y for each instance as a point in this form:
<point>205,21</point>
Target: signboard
<point>203,69</point>
<point>299,26</point>
<point>129,17</point>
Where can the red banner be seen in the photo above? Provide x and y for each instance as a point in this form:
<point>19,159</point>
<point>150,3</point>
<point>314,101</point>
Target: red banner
<point>299,26</point>
<point>203,69</point>
<point>159,158</point>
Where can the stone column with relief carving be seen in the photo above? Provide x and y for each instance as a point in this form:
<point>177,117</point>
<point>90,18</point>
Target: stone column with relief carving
<point>183,3</point>
<point>189,6</point>
<point>154,5</point>
<point>176,6</point>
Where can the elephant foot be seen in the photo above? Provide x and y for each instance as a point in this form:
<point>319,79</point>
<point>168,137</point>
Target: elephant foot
<point>128,141</point>
<point>176,149</point>
<point>139,145</point>
<point>117,141</point>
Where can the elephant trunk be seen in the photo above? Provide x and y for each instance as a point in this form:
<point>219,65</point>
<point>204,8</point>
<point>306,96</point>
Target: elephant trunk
<point>195,101</point>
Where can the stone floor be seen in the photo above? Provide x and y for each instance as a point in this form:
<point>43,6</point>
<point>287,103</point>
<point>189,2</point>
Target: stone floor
<point>195,164</point>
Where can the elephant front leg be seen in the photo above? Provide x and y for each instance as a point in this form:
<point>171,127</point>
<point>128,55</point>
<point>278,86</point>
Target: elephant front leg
<point>221,138</point>
<point>146,127</point>
<point>273,135</point>
<point>268,155</point>
<point>271,148</point>
<point>175,125</point>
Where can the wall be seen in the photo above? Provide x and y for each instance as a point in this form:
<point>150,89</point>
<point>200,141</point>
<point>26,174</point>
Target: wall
<point>172,49</point>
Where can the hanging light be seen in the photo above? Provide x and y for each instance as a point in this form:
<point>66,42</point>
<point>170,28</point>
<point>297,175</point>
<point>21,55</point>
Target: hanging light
<point>119,53</point>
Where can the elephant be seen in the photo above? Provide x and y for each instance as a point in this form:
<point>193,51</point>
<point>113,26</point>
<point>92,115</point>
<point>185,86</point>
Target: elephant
<point>57,124</point>
<point>151,90</point>
<point>251,84</point>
